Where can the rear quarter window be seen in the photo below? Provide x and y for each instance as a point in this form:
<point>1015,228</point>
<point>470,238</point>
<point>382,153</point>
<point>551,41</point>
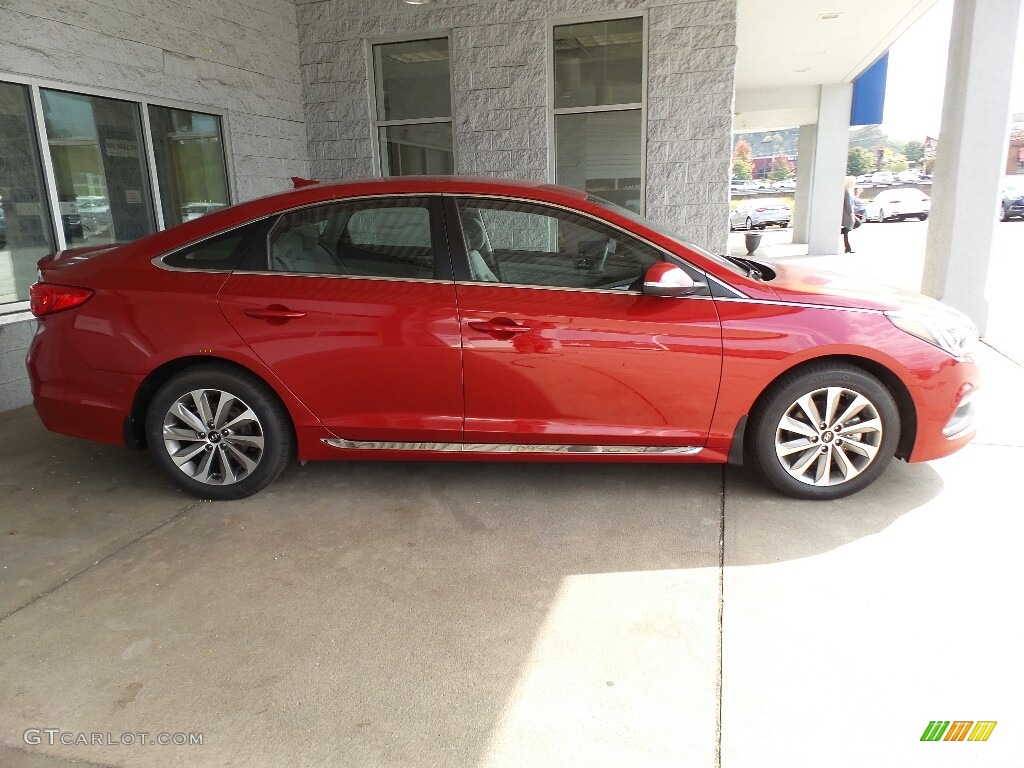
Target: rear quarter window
<point>220,253</point>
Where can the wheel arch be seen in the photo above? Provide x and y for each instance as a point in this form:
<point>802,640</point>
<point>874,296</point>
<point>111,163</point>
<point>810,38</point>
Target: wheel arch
<point>892,382</point>
<point>135,422</point>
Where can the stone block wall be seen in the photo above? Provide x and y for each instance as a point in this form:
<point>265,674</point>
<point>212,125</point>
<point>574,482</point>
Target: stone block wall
<point>239,55</point>
<point>499,101</point>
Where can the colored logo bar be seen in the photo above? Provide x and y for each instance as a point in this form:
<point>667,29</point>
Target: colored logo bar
<point>958,730</point>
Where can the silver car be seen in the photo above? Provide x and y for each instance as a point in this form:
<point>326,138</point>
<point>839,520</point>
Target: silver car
<point>758,214</point>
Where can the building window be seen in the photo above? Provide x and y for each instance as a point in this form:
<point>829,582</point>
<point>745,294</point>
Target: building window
<point>412,107</point>
<point>189,154</point>
<point>80,169</point>
<point>26,234</point>
<point>99,166</point>
<point>599,87</point>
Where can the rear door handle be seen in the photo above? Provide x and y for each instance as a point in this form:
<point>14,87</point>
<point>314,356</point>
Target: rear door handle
<point>498,325</point>
<point>275,312</point>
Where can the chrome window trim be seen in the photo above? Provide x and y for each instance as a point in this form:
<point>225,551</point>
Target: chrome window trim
<point>385,278</point>
<point>583,449</point>
<point>526,286</point>
<point>804,305</point>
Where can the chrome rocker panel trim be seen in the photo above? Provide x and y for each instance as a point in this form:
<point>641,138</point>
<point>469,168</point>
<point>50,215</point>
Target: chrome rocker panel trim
<point>625,450</point>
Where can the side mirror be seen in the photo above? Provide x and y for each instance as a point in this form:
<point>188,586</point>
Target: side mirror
<point>665,279</point>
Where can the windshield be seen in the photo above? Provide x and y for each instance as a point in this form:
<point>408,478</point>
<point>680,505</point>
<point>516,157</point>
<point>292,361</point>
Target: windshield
<point>721,261</point>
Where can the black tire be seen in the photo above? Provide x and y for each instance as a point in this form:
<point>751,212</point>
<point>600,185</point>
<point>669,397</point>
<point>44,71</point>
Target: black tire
<point>766,431</point>
<point>750,225</point>
<point>1003,215</point>
<point>923,217</point>
<point>265,442</point>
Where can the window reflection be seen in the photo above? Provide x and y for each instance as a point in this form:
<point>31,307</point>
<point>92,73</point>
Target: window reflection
<point>99,165</point>
<point>25,232</point>
<point>189,163</point>
<point>599,152</point>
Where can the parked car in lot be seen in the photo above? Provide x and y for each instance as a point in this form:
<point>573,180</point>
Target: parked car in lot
<point>784,184</point>
<point>898,204</point>
<point>450,318</point>
<point>744,185</point>
<point>883,178</point>
<point>759,213</point>
<point>1012,204</point>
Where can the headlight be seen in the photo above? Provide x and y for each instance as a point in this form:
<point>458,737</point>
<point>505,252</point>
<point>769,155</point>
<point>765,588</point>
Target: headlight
<point>952,333</point>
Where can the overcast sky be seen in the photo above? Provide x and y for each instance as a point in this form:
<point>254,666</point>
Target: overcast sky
<point>917,71</point>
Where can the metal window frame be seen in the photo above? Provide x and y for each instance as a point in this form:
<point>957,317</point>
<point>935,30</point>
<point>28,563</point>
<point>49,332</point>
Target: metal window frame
<point>371,79</point>
<point>142,103</point>
<point>641,105</point>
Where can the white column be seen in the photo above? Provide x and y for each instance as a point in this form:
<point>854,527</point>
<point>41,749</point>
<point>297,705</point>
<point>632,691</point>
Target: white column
<point>832,138</point>
<point>971,153</point>
<point>804,182</point>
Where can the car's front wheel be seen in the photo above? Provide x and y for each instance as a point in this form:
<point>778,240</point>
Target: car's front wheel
<point>1003,215</point>
<point>923,217</point>
<point>219,433</point>
<point>750,225</point>
<point>824,431</point>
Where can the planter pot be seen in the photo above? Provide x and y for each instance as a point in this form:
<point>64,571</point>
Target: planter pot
<point>753,241</point>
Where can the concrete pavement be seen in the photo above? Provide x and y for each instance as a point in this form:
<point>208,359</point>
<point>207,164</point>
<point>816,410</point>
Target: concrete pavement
<point>510,615</point>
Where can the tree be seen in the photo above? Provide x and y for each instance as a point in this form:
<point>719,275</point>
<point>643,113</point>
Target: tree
<point>781,168</point>
<point>895,162</point>
<point>914,151</point>
<point>742,160</point>
<point>859,161</point>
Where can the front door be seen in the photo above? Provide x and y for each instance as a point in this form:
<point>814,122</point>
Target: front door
<point>560,345</point>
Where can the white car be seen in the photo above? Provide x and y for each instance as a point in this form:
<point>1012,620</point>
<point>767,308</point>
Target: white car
<point>898,204</point>
<point>882,178</point>
<point>744,185</point>
<point>758,214</point>
<point>784,184</point>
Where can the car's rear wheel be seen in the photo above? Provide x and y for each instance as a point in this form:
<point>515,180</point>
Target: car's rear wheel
<point>750,224</point>
<point>1003,215</point>
<point>823,432</point>
<point>923,217</point>
<point>219,433</point>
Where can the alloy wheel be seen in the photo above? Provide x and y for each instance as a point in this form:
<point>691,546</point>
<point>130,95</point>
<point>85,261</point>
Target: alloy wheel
<point>828,436</point>
<point>213,436</point>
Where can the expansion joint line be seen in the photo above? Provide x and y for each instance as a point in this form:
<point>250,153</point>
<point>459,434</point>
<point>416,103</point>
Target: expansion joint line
<point>187,508</point>
<point>721,614</point>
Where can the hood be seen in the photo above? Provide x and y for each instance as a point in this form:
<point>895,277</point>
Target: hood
<point>810,286</point>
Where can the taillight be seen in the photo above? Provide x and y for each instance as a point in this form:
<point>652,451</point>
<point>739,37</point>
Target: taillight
<point>47,298</point>
<point>760,210</point>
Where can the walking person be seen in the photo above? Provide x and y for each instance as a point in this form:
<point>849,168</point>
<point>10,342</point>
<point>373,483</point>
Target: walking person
<point>849,215</point>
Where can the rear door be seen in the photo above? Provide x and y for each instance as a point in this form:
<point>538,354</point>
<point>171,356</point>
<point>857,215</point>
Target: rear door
<point>560,345</point>
<point>353,307</point>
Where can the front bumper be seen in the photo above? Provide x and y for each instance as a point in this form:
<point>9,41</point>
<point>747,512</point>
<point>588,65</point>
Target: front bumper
<point>946,411</point>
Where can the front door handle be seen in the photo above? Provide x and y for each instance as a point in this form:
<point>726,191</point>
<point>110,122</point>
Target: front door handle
<point>498,325</point>
<point>275,313</point>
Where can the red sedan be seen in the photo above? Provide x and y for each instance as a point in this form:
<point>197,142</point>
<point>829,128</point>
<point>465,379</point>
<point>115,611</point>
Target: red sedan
<point>449,318</point>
